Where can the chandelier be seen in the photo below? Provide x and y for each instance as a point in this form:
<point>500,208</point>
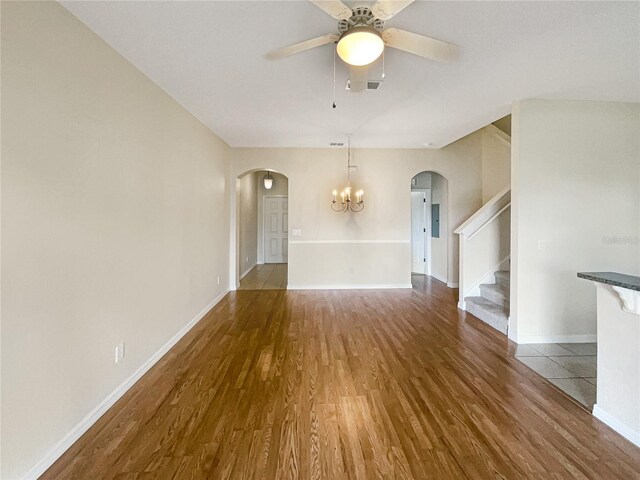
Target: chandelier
<point>346,203</point>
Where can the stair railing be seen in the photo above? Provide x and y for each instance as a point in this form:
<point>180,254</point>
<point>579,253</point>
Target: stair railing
<point>484,244</point>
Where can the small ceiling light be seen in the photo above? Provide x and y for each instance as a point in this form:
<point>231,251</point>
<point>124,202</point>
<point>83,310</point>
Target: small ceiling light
<point>268,181</point>
<point>360,46</point>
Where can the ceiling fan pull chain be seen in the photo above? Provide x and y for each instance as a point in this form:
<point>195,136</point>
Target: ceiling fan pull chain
<point>334,75</point>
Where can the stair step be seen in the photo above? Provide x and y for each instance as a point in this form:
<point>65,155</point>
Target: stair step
<point>489,312</point>
<point>503,277</point>
<point>496,293</point>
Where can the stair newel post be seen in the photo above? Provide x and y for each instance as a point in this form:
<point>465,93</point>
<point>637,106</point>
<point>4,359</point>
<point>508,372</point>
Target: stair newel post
<point>461,286</point>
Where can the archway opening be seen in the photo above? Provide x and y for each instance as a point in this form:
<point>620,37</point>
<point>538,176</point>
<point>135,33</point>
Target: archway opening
<point>429,228</point>
<point>262,233</point>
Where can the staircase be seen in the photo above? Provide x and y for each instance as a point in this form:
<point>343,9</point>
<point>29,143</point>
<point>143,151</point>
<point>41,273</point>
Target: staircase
<point>492,306</point>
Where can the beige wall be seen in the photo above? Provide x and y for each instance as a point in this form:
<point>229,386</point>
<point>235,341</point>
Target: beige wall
<point>442,246</point>
<point>485,253</point>
<point>374,244</point>
<point>423,180</point>
<point>496,162</point>
<point>114,224</point>
<point>575,207</point>
<point>504,124</point>
<point>248,222</point>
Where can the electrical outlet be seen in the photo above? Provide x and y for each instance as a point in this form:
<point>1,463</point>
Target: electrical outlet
<point>119,354</point>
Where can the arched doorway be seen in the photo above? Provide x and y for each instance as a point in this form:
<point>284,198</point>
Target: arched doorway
<point>262,205</point>
<point>429,227</point>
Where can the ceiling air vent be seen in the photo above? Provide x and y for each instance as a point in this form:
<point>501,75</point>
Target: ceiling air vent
<point>371,84</point>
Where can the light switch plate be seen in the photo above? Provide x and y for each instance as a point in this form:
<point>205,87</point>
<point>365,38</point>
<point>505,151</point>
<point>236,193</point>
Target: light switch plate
<point>119,354</point>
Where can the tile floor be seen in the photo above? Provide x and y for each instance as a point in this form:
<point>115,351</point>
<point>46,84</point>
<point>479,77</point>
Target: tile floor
<point>569,366</point>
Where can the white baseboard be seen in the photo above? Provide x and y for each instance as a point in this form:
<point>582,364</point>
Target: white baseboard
<point>93,416</point>
<point>247,271</point>
<point>442,279</point>
<point>624,430</point>
<point>349,286</point>
<point>557,339</point>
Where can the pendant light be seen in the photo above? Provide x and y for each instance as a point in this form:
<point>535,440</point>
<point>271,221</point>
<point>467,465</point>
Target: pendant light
<point>268,181</point>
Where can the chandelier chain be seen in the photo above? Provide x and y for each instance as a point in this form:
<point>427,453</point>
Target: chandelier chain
<point>346,204</point>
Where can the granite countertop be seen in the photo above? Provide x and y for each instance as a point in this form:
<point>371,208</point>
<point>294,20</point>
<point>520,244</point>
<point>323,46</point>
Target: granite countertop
<point>612,278</point>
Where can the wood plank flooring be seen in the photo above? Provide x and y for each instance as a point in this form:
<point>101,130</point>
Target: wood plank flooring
<point>270,276</point>
<point>345,384</point>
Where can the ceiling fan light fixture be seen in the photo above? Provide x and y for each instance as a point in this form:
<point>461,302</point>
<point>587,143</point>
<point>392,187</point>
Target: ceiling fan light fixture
<point>360,46</point>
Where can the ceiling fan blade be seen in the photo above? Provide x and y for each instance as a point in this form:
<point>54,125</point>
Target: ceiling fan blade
<point>420,45</point>
<point>358,78</point>
<point>335,8</point>
<point>386,9</point>
<point>302,46</point>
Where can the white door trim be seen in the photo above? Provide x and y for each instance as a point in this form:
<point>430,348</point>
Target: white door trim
<point>264,223</point>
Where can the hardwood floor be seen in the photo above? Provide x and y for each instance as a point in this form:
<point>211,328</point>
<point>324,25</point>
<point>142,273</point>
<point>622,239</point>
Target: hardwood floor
<point>270,276</point>
<point>346,384</point>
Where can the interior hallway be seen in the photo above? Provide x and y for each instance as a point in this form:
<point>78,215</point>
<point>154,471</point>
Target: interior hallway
<point>345,384</point>
<point>270,276</point>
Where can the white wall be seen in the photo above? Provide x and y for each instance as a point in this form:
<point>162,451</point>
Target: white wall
<point>496,162</point>
<point>618,402</point>
<point>248,222</point>
<point>114,224</point>
<point>280,187</point>
<point>575,207</point>
<point>372,247</point>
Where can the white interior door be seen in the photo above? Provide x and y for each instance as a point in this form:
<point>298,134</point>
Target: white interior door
<point>276,229</point>
<point>420,232</point>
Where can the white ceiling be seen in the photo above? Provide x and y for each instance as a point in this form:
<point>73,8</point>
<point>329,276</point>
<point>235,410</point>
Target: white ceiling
<point>209,56</point>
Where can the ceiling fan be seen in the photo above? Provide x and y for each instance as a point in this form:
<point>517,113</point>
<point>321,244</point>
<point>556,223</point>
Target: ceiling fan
<point>361,38</point>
